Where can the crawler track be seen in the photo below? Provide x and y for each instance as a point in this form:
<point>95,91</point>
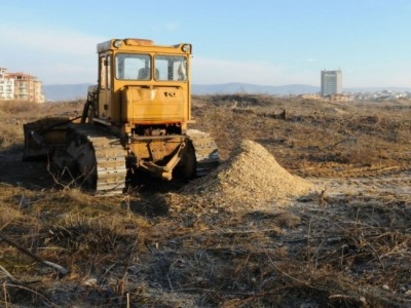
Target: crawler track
<point>206,151</point>
<point>99,157</point>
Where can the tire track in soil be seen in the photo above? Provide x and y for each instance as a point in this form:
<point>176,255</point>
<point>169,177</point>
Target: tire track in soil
<point>395,184</point>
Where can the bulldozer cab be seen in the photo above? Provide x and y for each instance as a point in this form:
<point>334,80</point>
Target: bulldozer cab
<point>141,83</point>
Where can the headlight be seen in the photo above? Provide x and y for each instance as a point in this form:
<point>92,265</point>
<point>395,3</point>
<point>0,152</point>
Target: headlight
<point>186,48</point>
<point>117,43</point>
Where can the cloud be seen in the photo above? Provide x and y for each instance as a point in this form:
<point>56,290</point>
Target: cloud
<point>66,73</point>
<point>214,71</point>
<point>68,57</point>
<point>48,40</point>
<point>52,55</point>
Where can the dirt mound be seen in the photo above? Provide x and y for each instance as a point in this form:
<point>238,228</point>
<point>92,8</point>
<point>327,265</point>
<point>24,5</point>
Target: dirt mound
<point>252,177</point>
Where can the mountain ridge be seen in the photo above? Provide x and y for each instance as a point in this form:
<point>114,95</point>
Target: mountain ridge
<point>61,92</point>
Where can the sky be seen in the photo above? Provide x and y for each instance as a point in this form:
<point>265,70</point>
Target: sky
<point>265,42</point>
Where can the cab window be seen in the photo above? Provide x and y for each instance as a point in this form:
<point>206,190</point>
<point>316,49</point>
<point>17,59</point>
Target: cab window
<point>170,68</point>
<point>133,66</point>
<point>103,72</point>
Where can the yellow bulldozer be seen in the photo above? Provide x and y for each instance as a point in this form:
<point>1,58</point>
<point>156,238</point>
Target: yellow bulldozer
<point>134,121</point>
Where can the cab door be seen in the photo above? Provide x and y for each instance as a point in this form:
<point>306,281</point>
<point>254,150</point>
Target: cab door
<point>104,94</point>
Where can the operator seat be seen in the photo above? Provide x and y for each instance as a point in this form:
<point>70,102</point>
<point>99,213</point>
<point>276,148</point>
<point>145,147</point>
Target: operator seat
<point>144,74</point>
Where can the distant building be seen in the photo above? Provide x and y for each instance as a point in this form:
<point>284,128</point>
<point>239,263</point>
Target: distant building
<point>6,86</point>
<point>331,82</point>
<point>312,96</point>
<point>340,98</point>
<point>20,86</point>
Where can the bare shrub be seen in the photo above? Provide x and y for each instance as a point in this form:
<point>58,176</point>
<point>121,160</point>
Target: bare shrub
<point>18,107</point>
<point>11,134</point>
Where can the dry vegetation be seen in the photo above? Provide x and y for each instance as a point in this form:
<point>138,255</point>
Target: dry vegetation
<point>309,208</point>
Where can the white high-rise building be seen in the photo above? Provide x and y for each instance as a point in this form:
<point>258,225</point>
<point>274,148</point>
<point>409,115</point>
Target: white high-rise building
<point>331,82</point>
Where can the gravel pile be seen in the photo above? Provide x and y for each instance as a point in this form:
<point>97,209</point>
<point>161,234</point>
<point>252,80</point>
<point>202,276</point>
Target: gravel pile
<point>250,179</point>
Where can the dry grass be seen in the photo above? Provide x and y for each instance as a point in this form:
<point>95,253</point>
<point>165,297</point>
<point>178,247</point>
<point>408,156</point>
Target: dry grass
<point>314,138</point>
<point>225,240</point>
<point>13,114</point>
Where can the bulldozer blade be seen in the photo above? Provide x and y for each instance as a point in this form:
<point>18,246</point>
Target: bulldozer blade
<point>43,136</point>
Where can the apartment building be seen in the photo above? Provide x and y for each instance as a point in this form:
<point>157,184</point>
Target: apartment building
<point>331,82</point>
<point>6,85</point>
<point>20,86</point>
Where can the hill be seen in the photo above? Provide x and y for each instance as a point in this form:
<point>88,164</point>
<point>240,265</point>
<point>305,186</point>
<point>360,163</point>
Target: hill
<point>236,87</point>
<point>67,92</point>
<point>63,92</point>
